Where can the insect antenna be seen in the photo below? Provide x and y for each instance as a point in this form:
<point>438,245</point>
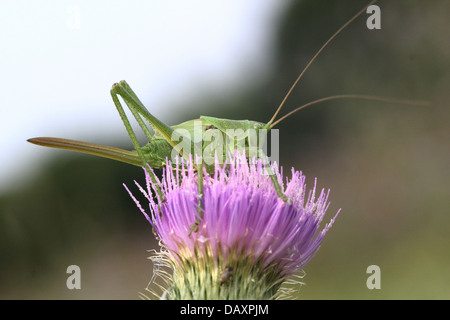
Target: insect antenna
<point>353,96</point>
<point>269,124</point>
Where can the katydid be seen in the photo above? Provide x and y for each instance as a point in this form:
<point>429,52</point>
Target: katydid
<point>162,143</point>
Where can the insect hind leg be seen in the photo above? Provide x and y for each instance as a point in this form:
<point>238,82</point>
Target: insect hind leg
<point>115,91</point>
<point>127,124</point>
<point>134,105</point>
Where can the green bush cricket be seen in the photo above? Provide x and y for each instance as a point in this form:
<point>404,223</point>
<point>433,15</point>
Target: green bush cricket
<point>164,143</point>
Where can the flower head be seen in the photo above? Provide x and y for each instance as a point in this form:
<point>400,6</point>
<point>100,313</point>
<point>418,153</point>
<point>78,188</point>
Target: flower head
<point>245,226</point>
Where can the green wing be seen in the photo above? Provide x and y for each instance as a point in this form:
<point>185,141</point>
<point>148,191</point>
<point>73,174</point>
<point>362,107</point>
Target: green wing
<point>224,124</point>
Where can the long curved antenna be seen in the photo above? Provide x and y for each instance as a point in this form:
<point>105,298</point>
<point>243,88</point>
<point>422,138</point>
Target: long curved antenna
<point>354,96</point>
<point>269,124</point>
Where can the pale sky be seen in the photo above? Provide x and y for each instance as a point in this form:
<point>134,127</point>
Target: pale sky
<point>58,60</point>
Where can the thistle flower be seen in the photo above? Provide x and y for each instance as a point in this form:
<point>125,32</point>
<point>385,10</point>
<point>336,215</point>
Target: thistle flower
<point>249,241</point>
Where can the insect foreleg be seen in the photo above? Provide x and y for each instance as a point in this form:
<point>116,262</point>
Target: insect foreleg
<point>273,177</point>
<point>194,227</point>
<point>277,186</point>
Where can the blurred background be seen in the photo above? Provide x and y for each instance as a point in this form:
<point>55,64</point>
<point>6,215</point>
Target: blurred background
<point>387,165</point>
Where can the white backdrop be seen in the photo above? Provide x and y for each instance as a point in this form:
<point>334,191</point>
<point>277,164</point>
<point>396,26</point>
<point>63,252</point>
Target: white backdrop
<point>58,60</point>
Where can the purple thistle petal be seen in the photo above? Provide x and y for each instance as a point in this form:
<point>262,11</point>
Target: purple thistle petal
<point>242,213</point>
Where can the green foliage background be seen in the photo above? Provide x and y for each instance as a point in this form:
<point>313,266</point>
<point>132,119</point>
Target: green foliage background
<point>387,167</point>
